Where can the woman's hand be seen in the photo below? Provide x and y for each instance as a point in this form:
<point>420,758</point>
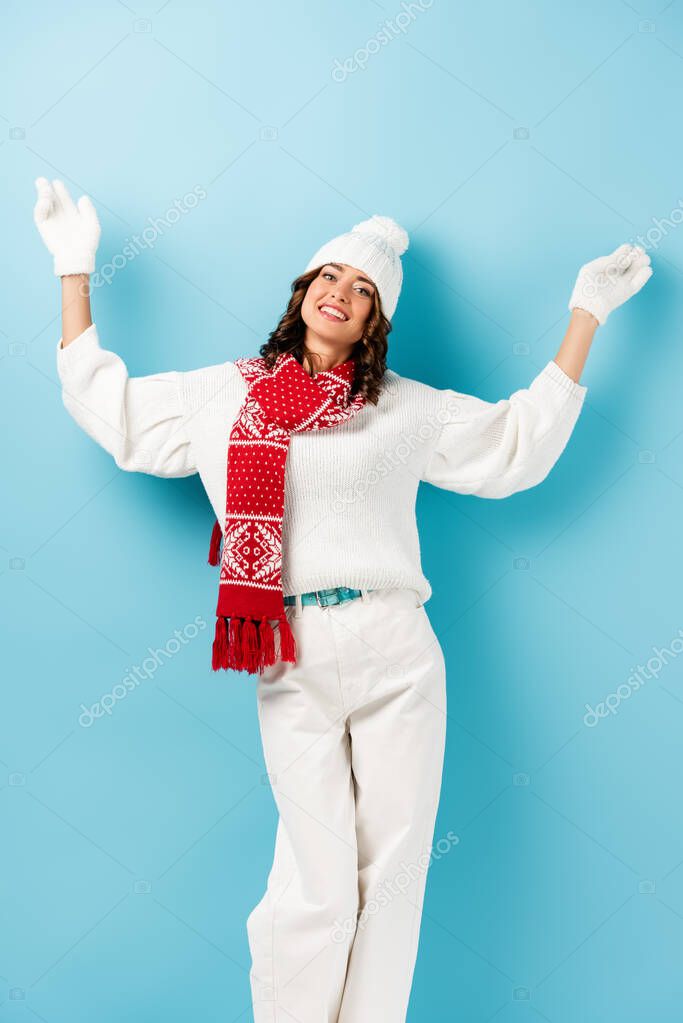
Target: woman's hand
<point>70,231</point>
<point>608,281</point>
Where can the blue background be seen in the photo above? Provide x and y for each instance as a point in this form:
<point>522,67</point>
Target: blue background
<point>514,143</point>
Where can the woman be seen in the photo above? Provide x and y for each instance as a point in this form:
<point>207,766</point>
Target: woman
<point>311,456</point>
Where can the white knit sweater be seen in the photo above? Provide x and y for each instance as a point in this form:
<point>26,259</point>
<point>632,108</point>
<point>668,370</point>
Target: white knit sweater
<point>350,491</point>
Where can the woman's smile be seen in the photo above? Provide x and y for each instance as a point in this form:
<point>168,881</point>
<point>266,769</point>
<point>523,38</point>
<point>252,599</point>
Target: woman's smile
<point>332,312</point>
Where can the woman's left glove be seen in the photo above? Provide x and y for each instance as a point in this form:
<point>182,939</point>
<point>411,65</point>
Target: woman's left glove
<point>608,281</point>
<point>71,231</point>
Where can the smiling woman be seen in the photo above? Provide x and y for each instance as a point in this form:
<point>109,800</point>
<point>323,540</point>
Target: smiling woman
<point>322,599</point>
<point>336,311</point>
<point>334,314</point>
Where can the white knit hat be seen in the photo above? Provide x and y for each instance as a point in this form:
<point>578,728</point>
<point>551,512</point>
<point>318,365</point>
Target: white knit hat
<point>374,246</point>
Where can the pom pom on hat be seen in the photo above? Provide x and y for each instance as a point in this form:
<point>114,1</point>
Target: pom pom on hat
<point>374,246</point>
<point>385,227</point>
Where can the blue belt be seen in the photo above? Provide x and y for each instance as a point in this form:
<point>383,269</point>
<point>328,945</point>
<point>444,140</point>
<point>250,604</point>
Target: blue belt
<point>324,598</point>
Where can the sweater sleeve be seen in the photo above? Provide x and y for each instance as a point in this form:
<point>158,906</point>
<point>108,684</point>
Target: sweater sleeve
<point>138,420</point>
<point>494,449</point>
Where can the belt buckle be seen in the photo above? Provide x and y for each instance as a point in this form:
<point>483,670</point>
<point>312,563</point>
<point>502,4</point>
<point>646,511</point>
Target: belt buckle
<point>323,593</point>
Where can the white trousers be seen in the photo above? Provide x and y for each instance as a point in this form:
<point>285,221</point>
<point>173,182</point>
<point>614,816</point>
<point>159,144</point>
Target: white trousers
<point>353,739</point>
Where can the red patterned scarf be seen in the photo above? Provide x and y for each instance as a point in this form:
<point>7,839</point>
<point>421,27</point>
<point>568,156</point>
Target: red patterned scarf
<point>278,403</point>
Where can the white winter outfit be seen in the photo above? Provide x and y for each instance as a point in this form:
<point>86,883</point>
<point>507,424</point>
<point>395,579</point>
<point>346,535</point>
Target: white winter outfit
<point>353,734</point>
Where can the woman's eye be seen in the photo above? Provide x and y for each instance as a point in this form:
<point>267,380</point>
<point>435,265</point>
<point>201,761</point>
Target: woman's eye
<point>328,273</point>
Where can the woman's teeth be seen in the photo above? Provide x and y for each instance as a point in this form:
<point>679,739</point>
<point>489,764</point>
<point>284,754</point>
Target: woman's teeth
<point>332,314</point>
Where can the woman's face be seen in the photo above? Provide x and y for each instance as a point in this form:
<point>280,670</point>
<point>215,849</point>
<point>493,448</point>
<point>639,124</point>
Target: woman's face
<point>342,288</point>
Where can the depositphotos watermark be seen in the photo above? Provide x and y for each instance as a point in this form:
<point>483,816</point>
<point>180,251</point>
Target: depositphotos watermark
<point>391,459</point>
<point>156,226</point>
<point>135,675</point>
<point>390,29</point>
<point>636,680</point>
<point>388,889</point>
<point>648,241</point>
<point>652,237</point>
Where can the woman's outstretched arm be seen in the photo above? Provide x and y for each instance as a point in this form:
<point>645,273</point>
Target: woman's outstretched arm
<point>140,421</point>
<point>601,286</point>
<point>76,315</point>
<point>71,232</point>
<point>494,449</point>
<point>576,343</point>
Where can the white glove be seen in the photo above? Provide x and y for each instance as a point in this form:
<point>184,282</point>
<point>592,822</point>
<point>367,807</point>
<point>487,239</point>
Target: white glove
<point>70,231</point>
<point>608,281</point>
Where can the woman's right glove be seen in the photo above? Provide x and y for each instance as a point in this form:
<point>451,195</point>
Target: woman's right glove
<point>70,231</point>
<point>608,281</point>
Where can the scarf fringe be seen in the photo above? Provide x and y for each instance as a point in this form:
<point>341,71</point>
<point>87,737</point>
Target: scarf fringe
<point>243,646</point>
<point>220,645</point>
<point>250,648</point>
<point>287,642</point>
<point>215,545</point>
<point>266,641</point>
<point>234,657</point>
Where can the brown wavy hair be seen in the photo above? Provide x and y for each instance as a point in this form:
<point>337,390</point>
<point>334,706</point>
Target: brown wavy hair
<point>369,352</point>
